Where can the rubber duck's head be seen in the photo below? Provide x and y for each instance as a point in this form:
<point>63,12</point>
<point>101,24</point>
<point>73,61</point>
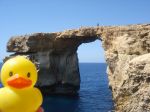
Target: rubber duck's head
<point>18,73</point>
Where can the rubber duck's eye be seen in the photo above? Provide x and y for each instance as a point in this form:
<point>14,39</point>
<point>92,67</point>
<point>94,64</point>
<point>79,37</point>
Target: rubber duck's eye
<point>28,74</point>
<point>10,74</point>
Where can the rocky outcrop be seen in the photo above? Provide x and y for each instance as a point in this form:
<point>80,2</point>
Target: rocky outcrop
<point>127,55</point>
<point>133,92</point>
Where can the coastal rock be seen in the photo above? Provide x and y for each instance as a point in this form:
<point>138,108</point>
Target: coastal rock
<point>133,93</point>
<point>127,55</point>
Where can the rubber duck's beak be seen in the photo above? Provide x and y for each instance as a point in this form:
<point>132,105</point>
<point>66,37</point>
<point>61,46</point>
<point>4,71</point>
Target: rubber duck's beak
<point>19,82</point>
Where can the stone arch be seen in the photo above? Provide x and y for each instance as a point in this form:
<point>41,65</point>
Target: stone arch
<point>58,50</point>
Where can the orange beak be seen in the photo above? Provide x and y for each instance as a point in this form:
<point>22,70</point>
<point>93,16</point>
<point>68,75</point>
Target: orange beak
<point>19,82</point>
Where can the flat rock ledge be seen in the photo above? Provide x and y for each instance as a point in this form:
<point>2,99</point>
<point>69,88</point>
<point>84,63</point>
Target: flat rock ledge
<point>127,52</point>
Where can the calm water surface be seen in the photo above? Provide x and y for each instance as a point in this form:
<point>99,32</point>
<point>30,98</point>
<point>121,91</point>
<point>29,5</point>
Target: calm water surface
<point>94,95</point>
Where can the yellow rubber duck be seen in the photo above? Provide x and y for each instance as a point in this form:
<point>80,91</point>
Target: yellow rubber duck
<point>18,76</point>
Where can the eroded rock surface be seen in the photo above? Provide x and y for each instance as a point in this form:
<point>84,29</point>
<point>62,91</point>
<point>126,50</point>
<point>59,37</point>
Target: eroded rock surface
<point>134,91</point>
<point>127,51</point>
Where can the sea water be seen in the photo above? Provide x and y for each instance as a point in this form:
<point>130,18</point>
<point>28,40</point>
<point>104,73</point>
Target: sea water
<point>94,95</point>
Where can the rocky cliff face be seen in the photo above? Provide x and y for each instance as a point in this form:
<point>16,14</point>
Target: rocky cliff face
<point>127,55</point>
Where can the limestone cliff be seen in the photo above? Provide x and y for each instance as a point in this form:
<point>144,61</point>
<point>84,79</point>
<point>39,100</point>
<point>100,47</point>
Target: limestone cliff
<point>127,55</point>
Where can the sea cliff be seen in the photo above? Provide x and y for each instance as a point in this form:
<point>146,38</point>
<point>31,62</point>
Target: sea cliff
<point>127,53</point>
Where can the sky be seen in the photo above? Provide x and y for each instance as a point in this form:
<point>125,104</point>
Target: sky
<point>19,17</point>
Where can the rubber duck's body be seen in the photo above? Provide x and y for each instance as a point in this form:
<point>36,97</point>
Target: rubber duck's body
<point>18,76</point>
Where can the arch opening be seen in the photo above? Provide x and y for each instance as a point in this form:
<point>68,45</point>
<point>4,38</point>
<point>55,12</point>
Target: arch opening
<point>94,81</point>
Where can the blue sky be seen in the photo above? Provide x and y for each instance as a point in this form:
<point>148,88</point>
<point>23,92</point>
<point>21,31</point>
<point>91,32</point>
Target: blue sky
<point>18,17</point>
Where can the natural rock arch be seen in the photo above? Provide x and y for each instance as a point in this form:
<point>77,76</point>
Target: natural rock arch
<point>123,46</point>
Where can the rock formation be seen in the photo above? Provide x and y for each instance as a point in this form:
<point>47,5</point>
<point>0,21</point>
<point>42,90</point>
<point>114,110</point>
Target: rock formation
<point>127,55</point>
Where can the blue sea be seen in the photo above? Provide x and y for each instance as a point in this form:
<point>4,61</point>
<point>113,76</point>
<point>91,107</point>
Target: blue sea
<point>94,95</point>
